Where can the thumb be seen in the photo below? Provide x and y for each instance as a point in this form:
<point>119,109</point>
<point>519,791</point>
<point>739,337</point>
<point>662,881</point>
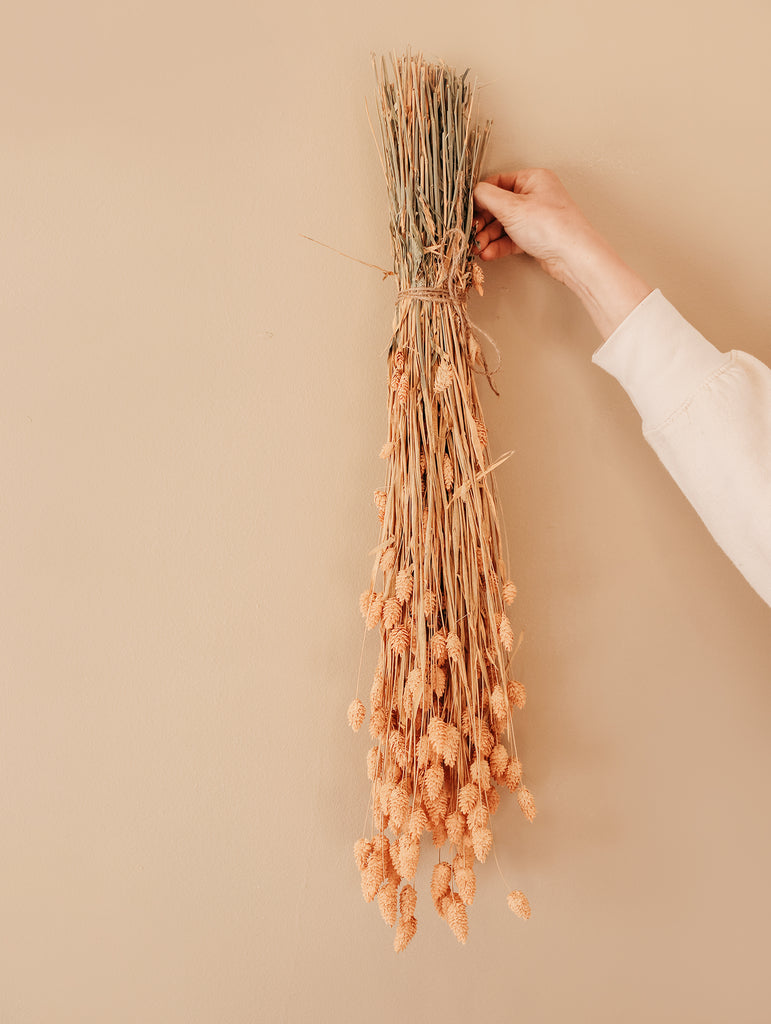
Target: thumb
<point>497,201</point>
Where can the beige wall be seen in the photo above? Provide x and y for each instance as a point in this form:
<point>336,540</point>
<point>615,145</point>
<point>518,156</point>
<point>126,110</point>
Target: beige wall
<point>192,403</point>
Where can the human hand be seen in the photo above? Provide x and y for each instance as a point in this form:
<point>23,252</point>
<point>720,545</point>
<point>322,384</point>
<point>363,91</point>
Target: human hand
<point>530,211</point>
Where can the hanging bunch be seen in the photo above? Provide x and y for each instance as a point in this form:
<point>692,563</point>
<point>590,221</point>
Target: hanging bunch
<point>443,697</point>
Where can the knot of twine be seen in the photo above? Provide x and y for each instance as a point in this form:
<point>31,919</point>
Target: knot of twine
<point>452,280</point>
<point>430,295</point>
<point>454,292</point>
<point>451,288</point>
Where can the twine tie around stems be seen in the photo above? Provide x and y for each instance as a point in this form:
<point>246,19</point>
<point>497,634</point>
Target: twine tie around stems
<point>430,294</point>
<point>455,297</point>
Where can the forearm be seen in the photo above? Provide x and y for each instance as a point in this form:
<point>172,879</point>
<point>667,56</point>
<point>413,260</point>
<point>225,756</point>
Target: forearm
<point>608,288</point>
<point>707,415</point>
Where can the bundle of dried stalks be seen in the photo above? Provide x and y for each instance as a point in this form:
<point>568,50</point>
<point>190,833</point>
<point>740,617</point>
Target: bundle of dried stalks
<point>442,700</point>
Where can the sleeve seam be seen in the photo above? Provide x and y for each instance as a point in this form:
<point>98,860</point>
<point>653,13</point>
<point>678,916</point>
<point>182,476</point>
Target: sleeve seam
<point>684,405</point>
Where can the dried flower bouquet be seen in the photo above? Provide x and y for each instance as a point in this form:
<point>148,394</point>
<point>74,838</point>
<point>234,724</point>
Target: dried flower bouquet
<point>443,696</point>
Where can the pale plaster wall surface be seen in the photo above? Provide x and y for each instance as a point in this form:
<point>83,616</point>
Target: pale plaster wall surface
<point>192,403</point>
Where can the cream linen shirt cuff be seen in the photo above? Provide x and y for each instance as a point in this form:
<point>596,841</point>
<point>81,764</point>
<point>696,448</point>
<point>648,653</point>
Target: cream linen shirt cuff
<point>658,357</point>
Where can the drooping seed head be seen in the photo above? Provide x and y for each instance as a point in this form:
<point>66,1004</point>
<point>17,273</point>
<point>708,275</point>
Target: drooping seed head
<point>387,901</point>
<point>467,797</point>
<point>403,587</point>
<point>513,774</point>
<point>482,839</point>
<point>440,881</point>
<point>362,848</point>
<point>457,917</point>
<point>447,472</point>
<point>380,504</point>
<point>392,613</point>
<point>516,693</point>
<point>499,759</point>
<point>454,646</point>
<point>519,903</point>
<point>405,933</point>
<point>526,802</point>
<point>455,824</point>
<point>387,559</point>
<point>408,900</point>
<point>506,633</point>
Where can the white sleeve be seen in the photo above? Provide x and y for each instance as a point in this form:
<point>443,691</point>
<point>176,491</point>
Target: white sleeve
<point>707,415</point>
